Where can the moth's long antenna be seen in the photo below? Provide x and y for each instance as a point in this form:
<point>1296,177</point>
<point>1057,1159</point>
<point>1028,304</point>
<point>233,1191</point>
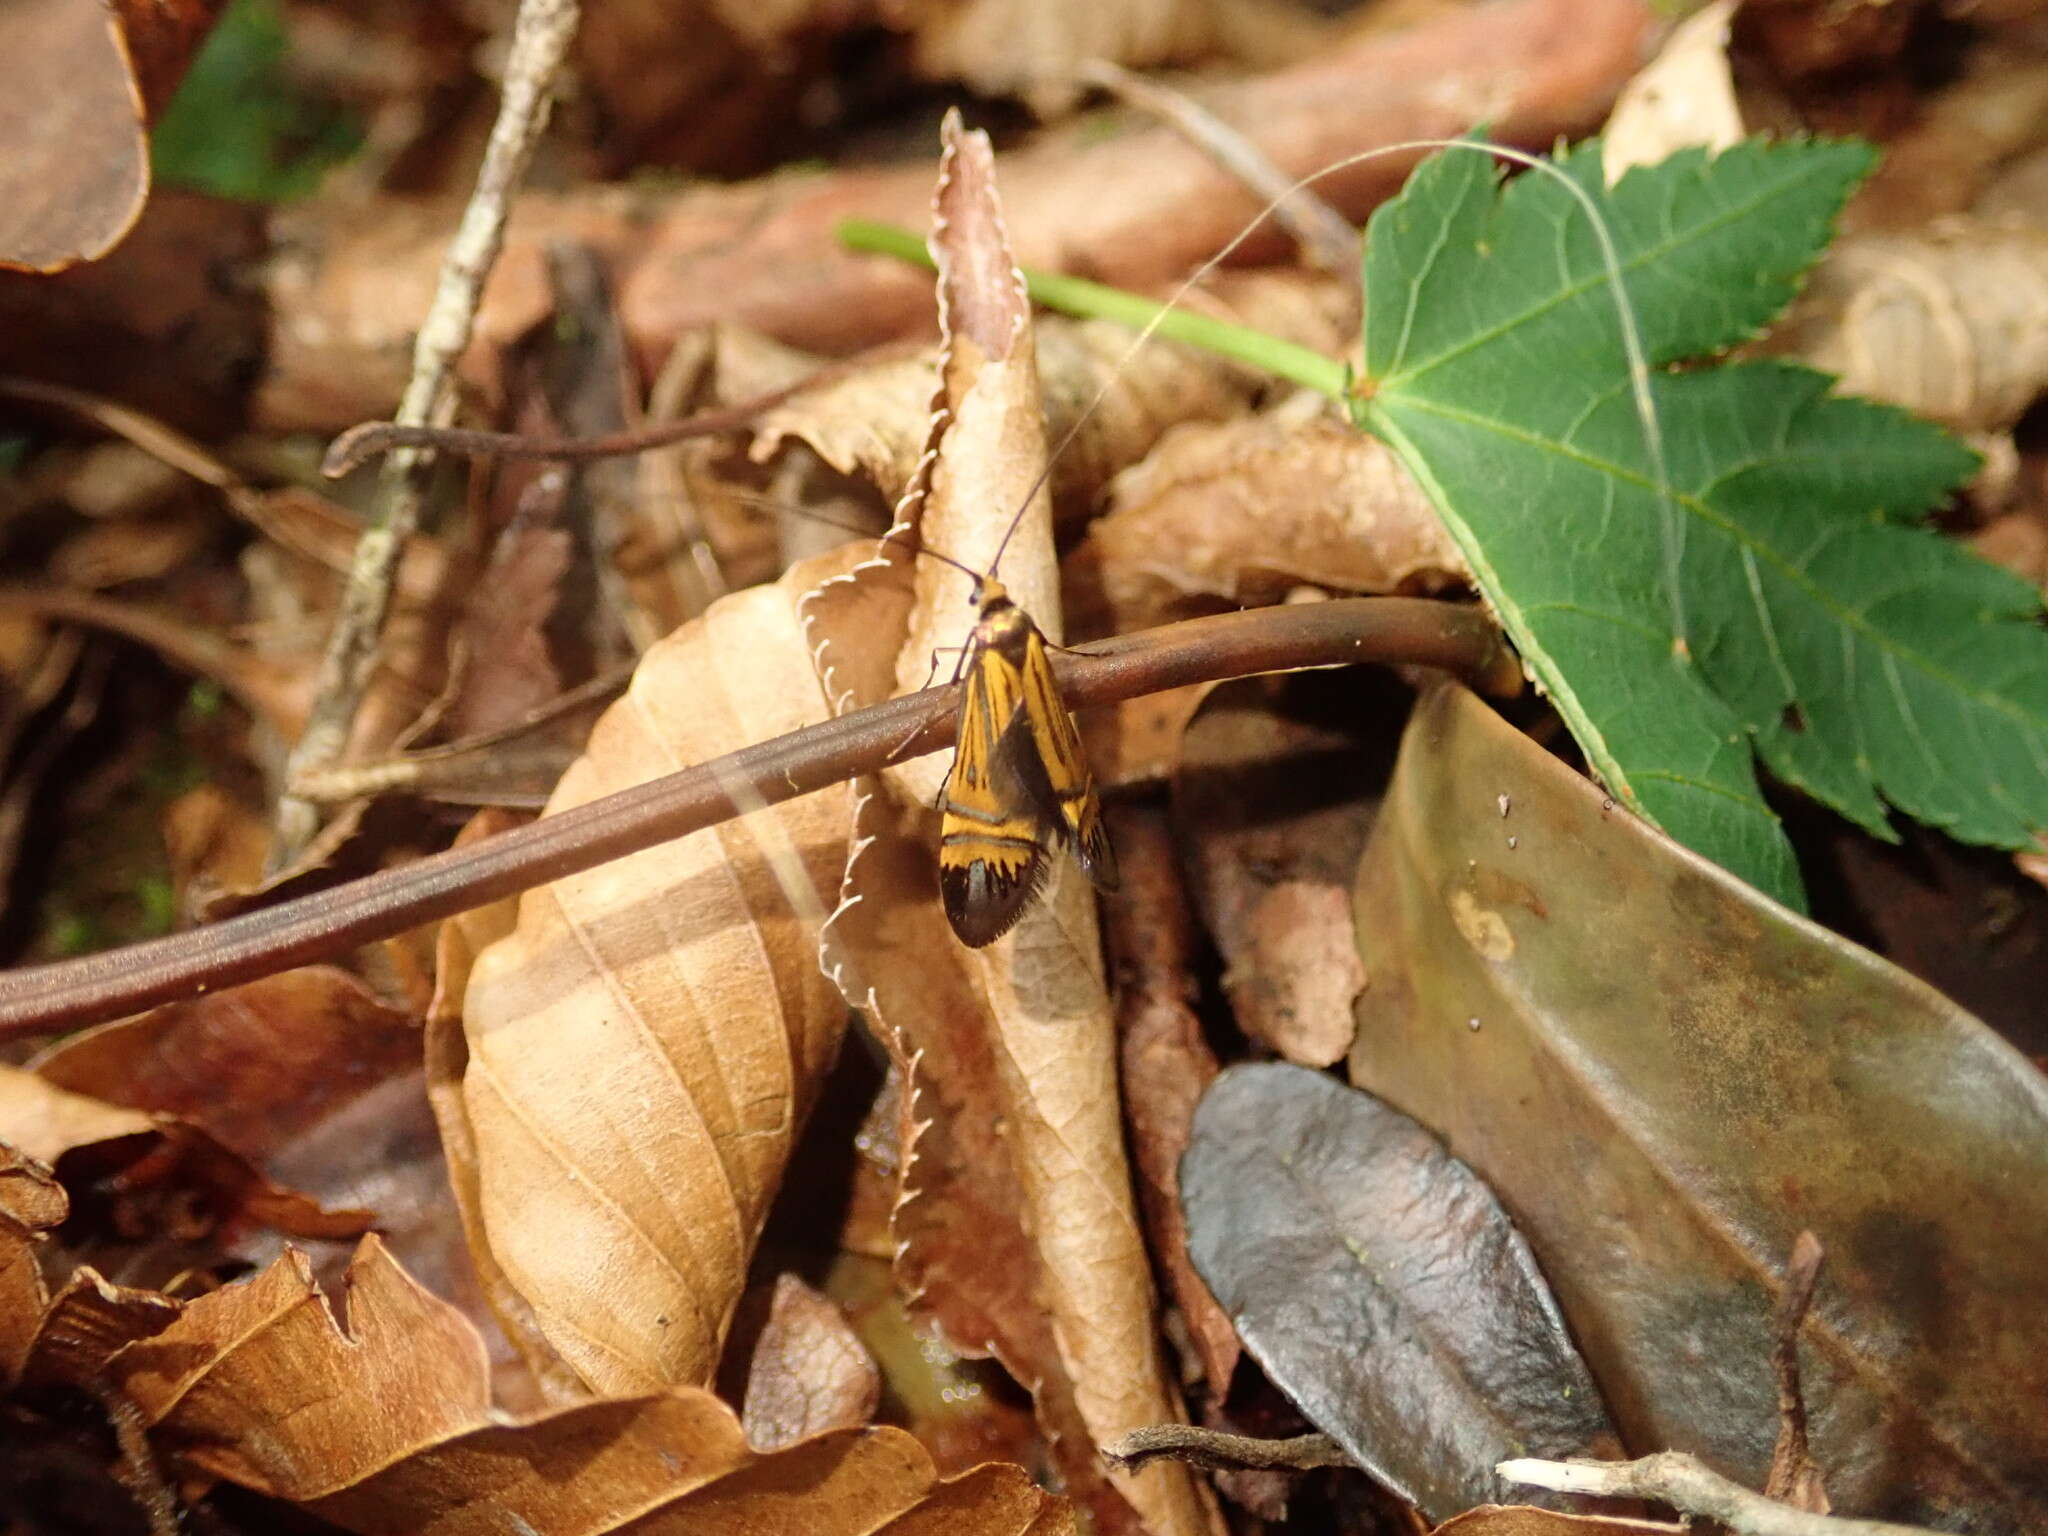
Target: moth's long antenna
<point>1610,258</point>
<point>775,504</point>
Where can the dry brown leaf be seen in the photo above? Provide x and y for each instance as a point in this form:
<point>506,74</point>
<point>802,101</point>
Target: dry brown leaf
<point>1242,512</point>
<point>79,83</point>
<point>1034,48</point>
<point>253,1065</point>
<point>1273,807</point>
<point>874,422</point>
<point>215,840</point>
<point>1166,1063</point>
<point>645,1044</point>
<point>1963,139</point>
<point>1683,97</point>
<point>1135,209</point>
<point>386,1428</point>
<point>1041,988</point>
<point>153,1176</point>
<point>31,1202</point>
<point>86,1323</point>
<point>43,1121</point>
<point>1950,322</point>
<point>810,1372</point>
<point>67,1338</point>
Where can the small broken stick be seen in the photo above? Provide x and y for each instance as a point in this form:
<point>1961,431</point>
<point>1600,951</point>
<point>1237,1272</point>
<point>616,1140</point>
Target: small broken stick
<point>1689,1485</point>
<point>1221,1452</point>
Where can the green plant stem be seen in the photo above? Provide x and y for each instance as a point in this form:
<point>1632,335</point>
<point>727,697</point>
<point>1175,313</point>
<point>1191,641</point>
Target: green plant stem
<point>1098,301</point>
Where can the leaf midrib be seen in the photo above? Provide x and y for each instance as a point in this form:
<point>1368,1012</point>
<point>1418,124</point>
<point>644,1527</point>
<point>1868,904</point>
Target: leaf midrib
<point>1852,619</point>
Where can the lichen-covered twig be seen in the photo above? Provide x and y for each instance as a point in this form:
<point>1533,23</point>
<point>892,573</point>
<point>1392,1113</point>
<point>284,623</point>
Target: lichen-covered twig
<point>540,39</point>
<point>1689,1485</point>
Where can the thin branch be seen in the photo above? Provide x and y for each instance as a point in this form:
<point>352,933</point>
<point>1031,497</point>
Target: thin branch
<point>1687,1484</point>
<point>368,439</point>
<point>331,923</point>
<point>541,35</point>
<point>1221,1452</point>
<point>1325,236</point>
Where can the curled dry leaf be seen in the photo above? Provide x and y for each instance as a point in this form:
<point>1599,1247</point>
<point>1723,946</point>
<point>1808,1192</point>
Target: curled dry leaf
<point>66,1339</point>
<point>1666,1078</point>
<point>385,1428</point>
<point>149,1173</point>
<point>1382,1287</point>
<point>307,1075</point>
<point>644,1046</point>
<point>1950,322</point>
<point>810,1372</point>
<point>1241,512</point>
<point>1035,1000</point>
<point>31,1203</point>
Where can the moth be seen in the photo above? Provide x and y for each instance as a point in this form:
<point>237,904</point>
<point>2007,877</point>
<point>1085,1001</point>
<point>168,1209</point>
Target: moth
<point>1019,788</point>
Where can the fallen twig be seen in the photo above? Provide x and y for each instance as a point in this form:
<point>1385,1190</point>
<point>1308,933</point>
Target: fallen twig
<point>331,923</point>
<point>541,35</point>
<point>1221,1452</point>
<point>1687,1484</point>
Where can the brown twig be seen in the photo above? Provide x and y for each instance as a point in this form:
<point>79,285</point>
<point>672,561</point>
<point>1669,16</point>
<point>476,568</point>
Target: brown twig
<point>1221,1452</point>
<point>371,438</point>
<point>1325,236</point>
<point>541,35</point>
<point>1689,1485</point>
<point>333,922</point>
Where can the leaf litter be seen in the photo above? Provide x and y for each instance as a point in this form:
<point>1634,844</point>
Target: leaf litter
<point>1589,1029</point>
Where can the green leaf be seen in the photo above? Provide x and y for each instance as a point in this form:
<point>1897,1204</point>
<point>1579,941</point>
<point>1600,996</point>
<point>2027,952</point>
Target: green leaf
<point>239,126</point>
<point>1755,585</point>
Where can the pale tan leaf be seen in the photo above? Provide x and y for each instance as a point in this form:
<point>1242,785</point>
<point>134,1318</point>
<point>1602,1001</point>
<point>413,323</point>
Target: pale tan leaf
<point>1242,512</point>
<point>809,1373</point>
<point>45,1121</point>
<point>1950,322</point>
<point>1041,989</point>
<point>644,1046</point>
<point>385,1428</point>
<point>1682,98</point>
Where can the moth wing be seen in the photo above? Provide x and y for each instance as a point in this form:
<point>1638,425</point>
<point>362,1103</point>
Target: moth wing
<point>993,828</point>
<point>1075,808</point>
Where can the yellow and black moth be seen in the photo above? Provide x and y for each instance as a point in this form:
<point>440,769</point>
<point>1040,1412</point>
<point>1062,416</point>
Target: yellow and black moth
<point>1020,785</point>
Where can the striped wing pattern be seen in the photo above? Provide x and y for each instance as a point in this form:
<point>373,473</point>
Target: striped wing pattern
<point>1019,782</point>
